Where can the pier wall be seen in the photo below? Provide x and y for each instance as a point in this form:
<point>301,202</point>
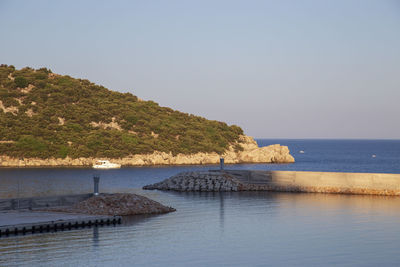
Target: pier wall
<point>324,182</point>
<point>284,181</point>
<point>41,202</point>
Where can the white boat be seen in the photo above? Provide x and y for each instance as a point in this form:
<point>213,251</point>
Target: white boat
<point>301,152</point>
<point>105,164</point>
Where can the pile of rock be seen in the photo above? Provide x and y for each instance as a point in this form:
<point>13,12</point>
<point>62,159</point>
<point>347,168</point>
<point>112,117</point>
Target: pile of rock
<point>197,181</point>
<point>117,204</point>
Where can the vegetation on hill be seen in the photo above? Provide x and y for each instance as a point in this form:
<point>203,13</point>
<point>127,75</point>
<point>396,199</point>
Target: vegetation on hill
<point>48,115</point>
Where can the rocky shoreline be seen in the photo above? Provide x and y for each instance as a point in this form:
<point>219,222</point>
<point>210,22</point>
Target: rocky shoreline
<point>250,153</point>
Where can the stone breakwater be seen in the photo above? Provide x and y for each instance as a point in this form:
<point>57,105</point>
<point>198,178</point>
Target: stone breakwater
<point>116,204</point>
<point>250,153</point>
<point>207,181</point>
<point>284,181</point>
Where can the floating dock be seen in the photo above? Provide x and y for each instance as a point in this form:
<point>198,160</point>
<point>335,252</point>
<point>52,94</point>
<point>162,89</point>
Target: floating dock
<point>25,215</point>
<point>23,222</point>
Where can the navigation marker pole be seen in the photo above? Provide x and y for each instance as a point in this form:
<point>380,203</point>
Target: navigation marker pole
<point>96,180</point>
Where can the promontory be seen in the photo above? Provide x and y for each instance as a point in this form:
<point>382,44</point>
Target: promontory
<point>49,119</point>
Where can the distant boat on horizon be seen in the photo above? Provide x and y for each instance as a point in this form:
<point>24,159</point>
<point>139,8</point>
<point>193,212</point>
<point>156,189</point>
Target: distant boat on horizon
<point>105,164</point>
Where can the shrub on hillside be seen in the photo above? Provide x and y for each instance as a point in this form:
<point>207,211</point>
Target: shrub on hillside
<point>21,82</point>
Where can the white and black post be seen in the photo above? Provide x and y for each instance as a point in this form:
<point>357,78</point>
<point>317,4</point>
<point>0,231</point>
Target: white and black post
<point>96,180</point>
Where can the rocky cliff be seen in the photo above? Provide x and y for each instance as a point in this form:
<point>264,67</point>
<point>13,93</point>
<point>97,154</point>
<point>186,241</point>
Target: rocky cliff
<point>249,153</point>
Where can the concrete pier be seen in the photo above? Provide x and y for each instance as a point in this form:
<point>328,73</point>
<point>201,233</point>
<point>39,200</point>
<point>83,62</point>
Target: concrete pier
<point>23,222</point>
<point>23,215</point>
<point>318,182</point>
<point>41,202</point>
<point>284,181</point>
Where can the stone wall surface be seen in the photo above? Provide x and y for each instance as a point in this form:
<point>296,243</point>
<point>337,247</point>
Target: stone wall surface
<point>251,153</point>
<point>284,181</point>
<point>197,181</point>
<point>41,202</point>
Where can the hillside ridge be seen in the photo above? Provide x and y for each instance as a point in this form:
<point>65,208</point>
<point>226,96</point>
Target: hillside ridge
<point>50,115</point>
<point>52,119</point>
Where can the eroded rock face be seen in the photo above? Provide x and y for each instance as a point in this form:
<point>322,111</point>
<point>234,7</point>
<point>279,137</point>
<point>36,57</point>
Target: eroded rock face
<point>251,153</point>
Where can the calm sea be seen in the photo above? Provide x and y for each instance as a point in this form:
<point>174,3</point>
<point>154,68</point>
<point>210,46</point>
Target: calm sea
<point>228,229</point>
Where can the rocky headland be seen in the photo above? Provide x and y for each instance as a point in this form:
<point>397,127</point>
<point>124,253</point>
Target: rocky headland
<point>250,153</point>
<point>55,120</point>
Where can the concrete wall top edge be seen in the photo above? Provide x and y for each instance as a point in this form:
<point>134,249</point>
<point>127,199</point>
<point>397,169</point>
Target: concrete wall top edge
<point>397,175</point>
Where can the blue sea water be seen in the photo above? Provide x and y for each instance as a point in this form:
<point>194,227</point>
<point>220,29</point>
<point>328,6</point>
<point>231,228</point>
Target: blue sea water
<point>223,228</point>
<point>377,156</point>
<point>319,155</point>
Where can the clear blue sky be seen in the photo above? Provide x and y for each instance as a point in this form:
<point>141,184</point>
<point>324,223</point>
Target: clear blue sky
<point>278,69</point>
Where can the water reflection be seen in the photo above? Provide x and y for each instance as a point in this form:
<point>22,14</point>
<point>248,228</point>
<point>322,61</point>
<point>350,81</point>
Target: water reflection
<point>95,239</point>
<point>388,205</point>
<point>230,228</point>
<point>221,211</point>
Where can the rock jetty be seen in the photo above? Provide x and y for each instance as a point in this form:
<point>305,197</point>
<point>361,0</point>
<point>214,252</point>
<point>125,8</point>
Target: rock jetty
<point>384,184</point>
<point>250,153</point>
<point>116,204</point>
<point>208,181</point>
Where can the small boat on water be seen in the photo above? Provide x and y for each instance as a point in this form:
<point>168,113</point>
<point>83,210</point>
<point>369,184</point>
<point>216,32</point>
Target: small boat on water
<point>105,164</point>
<point>301,151</point>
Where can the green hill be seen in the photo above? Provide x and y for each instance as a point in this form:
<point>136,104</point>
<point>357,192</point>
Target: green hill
<point>48,115</point>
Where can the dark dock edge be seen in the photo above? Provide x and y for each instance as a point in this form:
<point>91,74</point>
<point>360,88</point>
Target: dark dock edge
<point>62,225</point>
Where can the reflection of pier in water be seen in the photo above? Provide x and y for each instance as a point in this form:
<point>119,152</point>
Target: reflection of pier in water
<point>95,236</point>
<point>330,204</point>
<point>221,211</point>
